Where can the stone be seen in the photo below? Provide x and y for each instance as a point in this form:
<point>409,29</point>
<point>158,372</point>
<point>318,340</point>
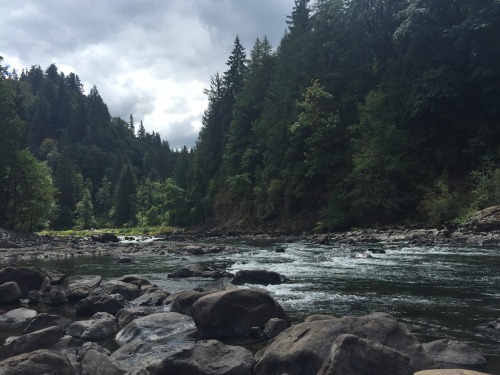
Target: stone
<point>233,313</point>
<point>260,277</point>
<point>135,279</point>
<point>351,355</point>
<point>197,270</point>
<point>450,372</point>
<point>100,303</point>
<point>308,344</point>
<point>10,293</point>
<point>16,318</point>
<point>101,325</point>
<point>42,339</point>
<point>95,362</point>
<point>38,362</point>
<point>126,315</point>
<point>274,327</point>
<point>127,290</point>
<point>454,352</point>
<point>208,357</point>
<point>105,237</point>
<point>43,320</point>
<point>53,297</point>
<point>27,278</point>
<point>183,301</point>
<point>313,318</point>
<point>79,287</point>
<point>155,326</point>
<point>153,296</point>
<point>485,220</point>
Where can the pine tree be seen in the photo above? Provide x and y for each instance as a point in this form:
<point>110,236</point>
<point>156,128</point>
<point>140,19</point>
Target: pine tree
<point>124,197</point>
<point>85,210</point>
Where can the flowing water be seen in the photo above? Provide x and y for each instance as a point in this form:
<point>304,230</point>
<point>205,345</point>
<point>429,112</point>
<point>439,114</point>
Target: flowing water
<point>438,292</point>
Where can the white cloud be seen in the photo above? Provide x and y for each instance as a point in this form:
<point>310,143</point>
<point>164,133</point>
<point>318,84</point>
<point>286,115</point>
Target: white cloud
<point>151,59</point>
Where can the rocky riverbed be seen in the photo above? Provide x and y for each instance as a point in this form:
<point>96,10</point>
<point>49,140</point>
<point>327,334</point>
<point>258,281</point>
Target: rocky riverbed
<point>130,326</point>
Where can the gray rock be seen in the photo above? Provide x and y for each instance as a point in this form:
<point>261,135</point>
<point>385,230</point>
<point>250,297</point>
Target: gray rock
<point>454,352</point>
<point>126,315</point>
<point>351,355</point>
<point>37,362</point>
<point>53,297</point>
<point>153,296</point>
<point>197,270</point>
<point>79,287</point>
<point>183,301</point>
<point>208,358</point>
<point>216,286</point>
<point>485,220</point>
<point>127,290</point>
<point>313,318</point>
<point>100,303</point>
<point>42,339</point>
<point>302,349</point>
<point>16,318</point>
<point>234,313</point>
<point>135,279</point>
<point>10,293</point>
<point>155,326</point>
<point>260,277</point>
<point>43,320</point>
<point>97,363</point>
<point>99,326</point>
<point>27,278</point>
<point>105,237</point>
<point>274,327</point>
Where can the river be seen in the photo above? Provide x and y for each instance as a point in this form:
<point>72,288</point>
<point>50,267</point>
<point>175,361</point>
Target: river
<point>437,291</point>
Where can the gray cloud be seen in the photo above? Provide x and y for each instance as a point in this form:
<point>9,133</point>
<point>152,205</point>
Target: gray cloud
<point>151,59</point>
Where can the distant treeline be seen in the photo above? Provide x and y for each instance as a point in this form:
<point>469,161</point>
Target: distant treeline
<point>368,112</point>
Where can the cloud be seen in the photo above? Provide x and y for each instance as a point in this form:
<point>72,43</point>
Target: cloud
<point>150,59</point>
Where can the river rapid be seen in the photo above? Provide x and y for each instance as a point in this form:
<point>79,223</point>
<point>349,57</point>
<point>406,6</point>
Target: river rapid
<point>437,291</point>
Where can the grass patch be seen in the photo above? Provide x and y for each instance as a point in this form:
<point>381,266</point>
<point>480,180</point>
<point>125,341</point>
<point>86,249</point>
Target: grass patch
<point>126,231</point>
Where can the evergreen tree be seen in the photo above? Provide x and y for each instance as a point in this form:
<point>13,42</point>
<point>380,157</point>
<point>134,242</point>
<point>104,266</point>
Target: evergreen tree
<point>124,197</point>
<point>85,210</point>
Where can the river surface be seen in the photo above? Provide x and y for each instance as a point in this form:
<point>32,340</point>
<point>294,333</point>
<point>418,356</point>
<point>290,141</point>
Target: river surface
<point>438,292</point>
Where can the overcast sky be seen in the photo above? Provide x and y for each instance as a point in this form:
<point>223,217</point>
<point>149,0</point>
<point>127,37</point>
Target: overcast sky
<point>150,58</point>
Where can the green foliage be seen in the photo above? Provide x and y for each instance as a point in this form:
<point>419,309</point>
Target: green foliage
<point>486,190</point>
<point>124,209</point>
<point>440,206</point>
<point>85,211</point>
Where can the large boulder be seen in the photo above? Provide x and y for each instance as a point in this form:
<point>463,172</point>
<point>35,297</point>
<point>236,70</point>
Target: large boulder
<point>155,326</point>
<point>207,358</point>
<point>44,320</point>
<point>79,287</point>
<point>450,372</point>
<point>129,291</point>
<point>42,339</point>
<point>260,277</point>
<point>135,279</point>
<point>38,362</point>
<point>454,352</point>
<point>126,315</point>
<point>10,293</point>
<point>16,318</point>
<point>182,302</point>
<point>27,278</point>
<point>485,220</point>
<point>302,349</point>
<point>100,302</point>
<point>351,355</point>
<point>101,325</point>
<point>152,296</point>
<point>234,313</point>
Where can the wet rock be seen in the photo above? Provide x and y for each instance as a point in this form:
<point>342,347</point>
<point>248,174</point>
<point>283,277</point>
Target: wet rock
<point>42,339</point>
<point>100,302</point>
<point>360,255</point>
<point>351,355</point>
<point>209,358</point>
<point>154,326</point>
<point>259,277</point>
<point>43,320</point>
<point>10,293</point>
<point>216,286</point>
<point>126,315</point>
<point>38,362</point>
<point>16,318</point>
<point>450,372</point>
<point>485,220</point>
<point>53,297</point>
<point>124,260</point>
<point>27,278</point>
<point>101,325</point>
<point>495,324</point>
<point>316,317</point>
<point>95,362</point>
<point>233,313</point>
<point>79,287</point>
<point>454,352</point>
<point>127,290</point>
<point>197,270</point>
<point>302,349</point>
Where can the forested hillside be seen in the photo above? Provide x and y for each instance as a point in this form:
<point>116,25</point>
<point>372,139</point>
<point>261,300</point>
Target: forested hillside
<point>367,113</point>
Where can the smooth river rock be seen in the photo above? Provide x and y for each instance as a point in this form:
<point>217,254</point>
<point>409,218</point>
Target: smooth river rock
<point>259,277</point>
<point>454,352</point>
<point>38,362</point>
